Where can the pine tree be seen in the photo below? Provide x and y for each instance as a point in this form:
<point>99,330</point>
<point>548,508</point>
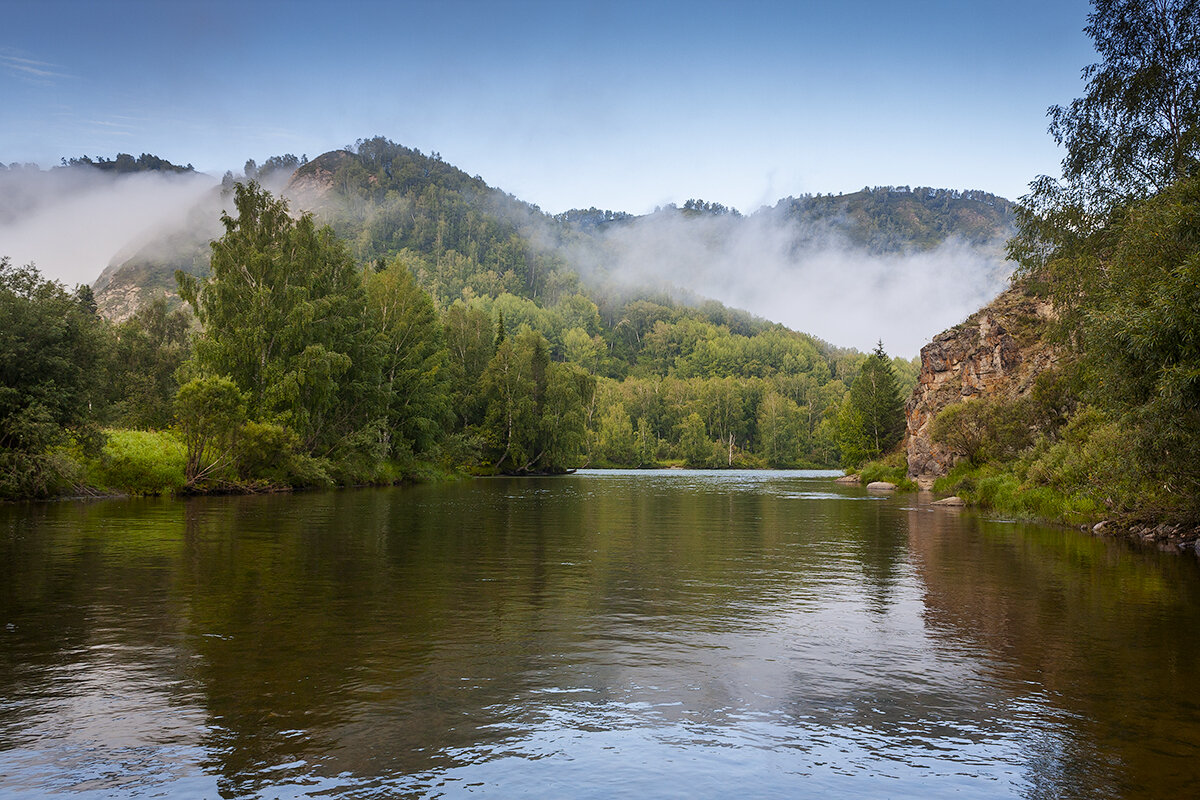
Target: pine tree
<point>875,397</point>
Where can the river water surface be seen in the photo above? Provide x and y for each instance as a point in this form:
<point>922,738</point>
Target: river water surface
<point>603,635</point>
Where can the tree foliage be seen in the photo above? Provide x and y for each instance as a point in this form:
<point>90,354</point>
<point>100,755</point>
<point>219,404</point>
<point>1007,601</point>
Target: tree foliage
<point>211,411</point>
<point>50,345</point>
<point>1116,246</point>
<point>1136,129</point>
<point>413,360</point>
<point>283,317</point>
<point>873,423</point>
<point>1134,132</point>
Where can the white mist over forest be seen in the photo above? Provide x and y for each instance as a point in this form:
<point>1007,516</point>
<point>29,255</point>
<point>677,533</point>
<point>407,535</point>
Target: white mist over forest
<point>810,278</point>
<point>75,223</point>
<point>71,223</point>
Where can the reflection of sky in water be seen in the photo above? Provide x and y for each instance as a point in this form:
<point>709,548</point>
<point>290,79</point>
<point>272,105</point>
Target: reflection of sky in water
<point>610,636</point>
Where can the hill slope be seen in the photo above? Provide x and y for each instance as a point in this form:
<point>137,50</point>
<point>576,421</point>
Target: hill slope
<point>464,238</point>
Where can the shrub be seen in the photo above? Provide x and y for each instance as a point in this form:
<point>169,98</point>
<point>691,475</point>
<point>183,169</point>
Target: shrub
<point>141,462</point>
<point>892,468</point>
<point>982,430</point>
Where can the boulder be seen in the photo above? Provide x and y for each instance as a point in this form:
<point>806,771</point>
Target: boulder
<point>881,486</point>
<point>954,501</point>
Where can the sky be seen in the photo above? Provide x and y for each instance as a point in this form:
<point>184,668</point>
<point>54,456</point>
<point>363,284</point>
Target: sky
<point>620,105</point>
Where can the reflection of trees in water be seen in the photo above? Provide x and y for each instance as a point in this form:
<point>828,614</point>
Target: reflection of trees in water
<point>390,636</point>
<point>882,549</point>
<point>1094,629</point>
<point>383,632</point>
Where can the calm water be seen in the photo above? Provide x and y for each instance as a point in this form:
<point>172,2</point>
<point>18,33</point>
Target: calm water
<point>670,634</point>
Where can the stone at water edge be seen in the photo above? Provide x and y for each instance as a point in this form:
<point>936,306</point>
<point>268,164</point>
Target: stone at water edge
<point>954,501</point>
<point>882,486</point>
<point>848,479</point>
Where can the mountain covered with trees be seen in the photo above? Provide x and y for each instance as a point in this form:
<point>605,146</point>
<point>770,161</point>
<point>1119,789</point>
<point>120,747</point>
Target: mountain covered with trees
<point>385,199</point>
<point>423,319</point>
<point>382,312</point>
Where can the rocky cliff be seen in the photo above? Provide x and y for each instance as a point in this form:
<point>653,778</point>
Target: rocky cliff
<point>997,352</point>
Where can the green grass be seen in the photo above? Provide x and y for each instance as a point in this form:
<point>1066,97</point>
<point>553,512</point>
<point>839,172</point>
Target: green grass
<point>139,462</point>
<point>892,468</point>
<point>1002,488</point>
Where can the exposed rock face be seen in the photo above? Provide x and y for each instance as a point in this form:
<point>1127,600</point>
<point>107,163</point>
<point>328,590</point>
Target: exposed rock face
<point>117,304</point>
<point>310,184</point>
<point>997,353</point>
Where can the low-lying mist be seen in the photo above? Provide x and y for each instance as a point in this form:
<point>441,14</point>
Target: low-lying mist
<point>72,222</point>
<point>809,278</point>
<point>76,223</point>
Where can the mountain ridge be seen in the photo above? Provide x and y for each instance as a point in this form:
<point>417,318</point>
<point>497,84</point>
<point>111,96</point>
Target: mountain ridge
<point>466,238</point>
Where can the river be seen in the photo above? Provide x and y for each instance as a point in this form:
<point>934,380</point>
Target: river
<point>601,635</point>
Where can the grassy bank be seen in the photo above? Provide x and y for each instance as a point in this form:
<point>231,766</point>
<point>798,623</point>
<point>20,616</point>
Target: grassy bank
<point>154,463</point>
<point>892,468</point>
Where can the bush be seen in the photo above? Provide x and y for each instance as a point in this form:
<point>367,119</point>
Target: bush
<point>210,412</point>
<point>26,475</point>
<point>141,462</point>
<point>1013,488</point>
<point>982,430</point>
<point>893,468</point>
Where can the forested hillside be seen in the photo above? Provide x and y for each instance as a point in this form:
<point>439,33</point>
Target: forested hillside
<point>472,331</point>
<point>890,219</point>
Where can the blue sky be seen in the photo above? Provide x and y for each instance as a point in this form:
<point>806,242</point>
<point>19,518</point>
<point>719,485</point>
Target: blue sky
<point>619,105</point>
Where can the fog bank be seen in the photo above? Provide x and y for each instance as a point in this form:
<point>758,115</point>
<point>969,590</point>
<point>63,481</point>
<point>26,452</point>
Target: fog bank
<point>806,277</point>
<point>72,222</point>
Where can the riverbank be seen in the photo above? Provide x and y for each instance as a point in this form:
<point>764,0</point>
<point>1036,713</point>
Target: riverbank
<point>1164,536</point>
<point>990,488</point>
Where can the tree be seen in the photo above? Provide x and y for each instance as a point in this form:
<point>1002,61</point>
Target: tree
<point>210,413</point>
<point>535,408</point>
<point>511,385</point>
<point>849,428</point>
<point>779,430</point>
<point>876,405</point>
<point>1115,244</point>
<point>413,360</point>
<point>145,351</point>
<point>646,443</point>
<point>694,444</point>
<point>284,318</point>
<point>617,443</point>
<point>1136,130</point>
<point>470,346</point>
<point>50,377</point>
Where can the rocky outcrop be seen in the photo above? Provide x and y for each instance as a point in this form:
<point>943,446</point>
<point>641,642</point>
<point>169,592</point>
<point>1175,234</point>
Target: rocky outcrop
<point>311,184</point>
<point>119,303</point>
<point>997,353</point>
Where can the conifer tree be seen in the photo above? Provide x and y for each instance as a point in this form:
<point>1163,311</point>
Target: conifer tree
<point>875,398</point>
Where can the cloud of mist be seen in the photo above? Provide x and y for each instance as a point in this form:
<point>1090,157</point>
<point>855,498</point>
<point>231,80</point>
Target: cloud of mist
<point>806,277</point>
<point>72,223</point>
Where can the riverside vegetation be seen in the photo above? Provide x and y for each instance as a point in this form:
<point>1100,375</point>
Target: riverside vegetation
<point>431,329</point>
<point>305,366</point>
<point>1111,434</point>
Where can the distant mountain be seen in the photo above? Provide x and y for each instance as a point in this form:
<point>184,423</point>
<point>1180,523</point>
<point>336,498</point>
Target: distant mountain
<point>460,234</point>
<point>464,238</point>
<point>125,164</point>
<point>897,219</point>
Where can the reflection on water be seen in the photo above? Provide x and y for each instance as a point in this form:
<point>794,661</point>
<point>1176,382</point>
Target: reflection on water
<point>610,634</point>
